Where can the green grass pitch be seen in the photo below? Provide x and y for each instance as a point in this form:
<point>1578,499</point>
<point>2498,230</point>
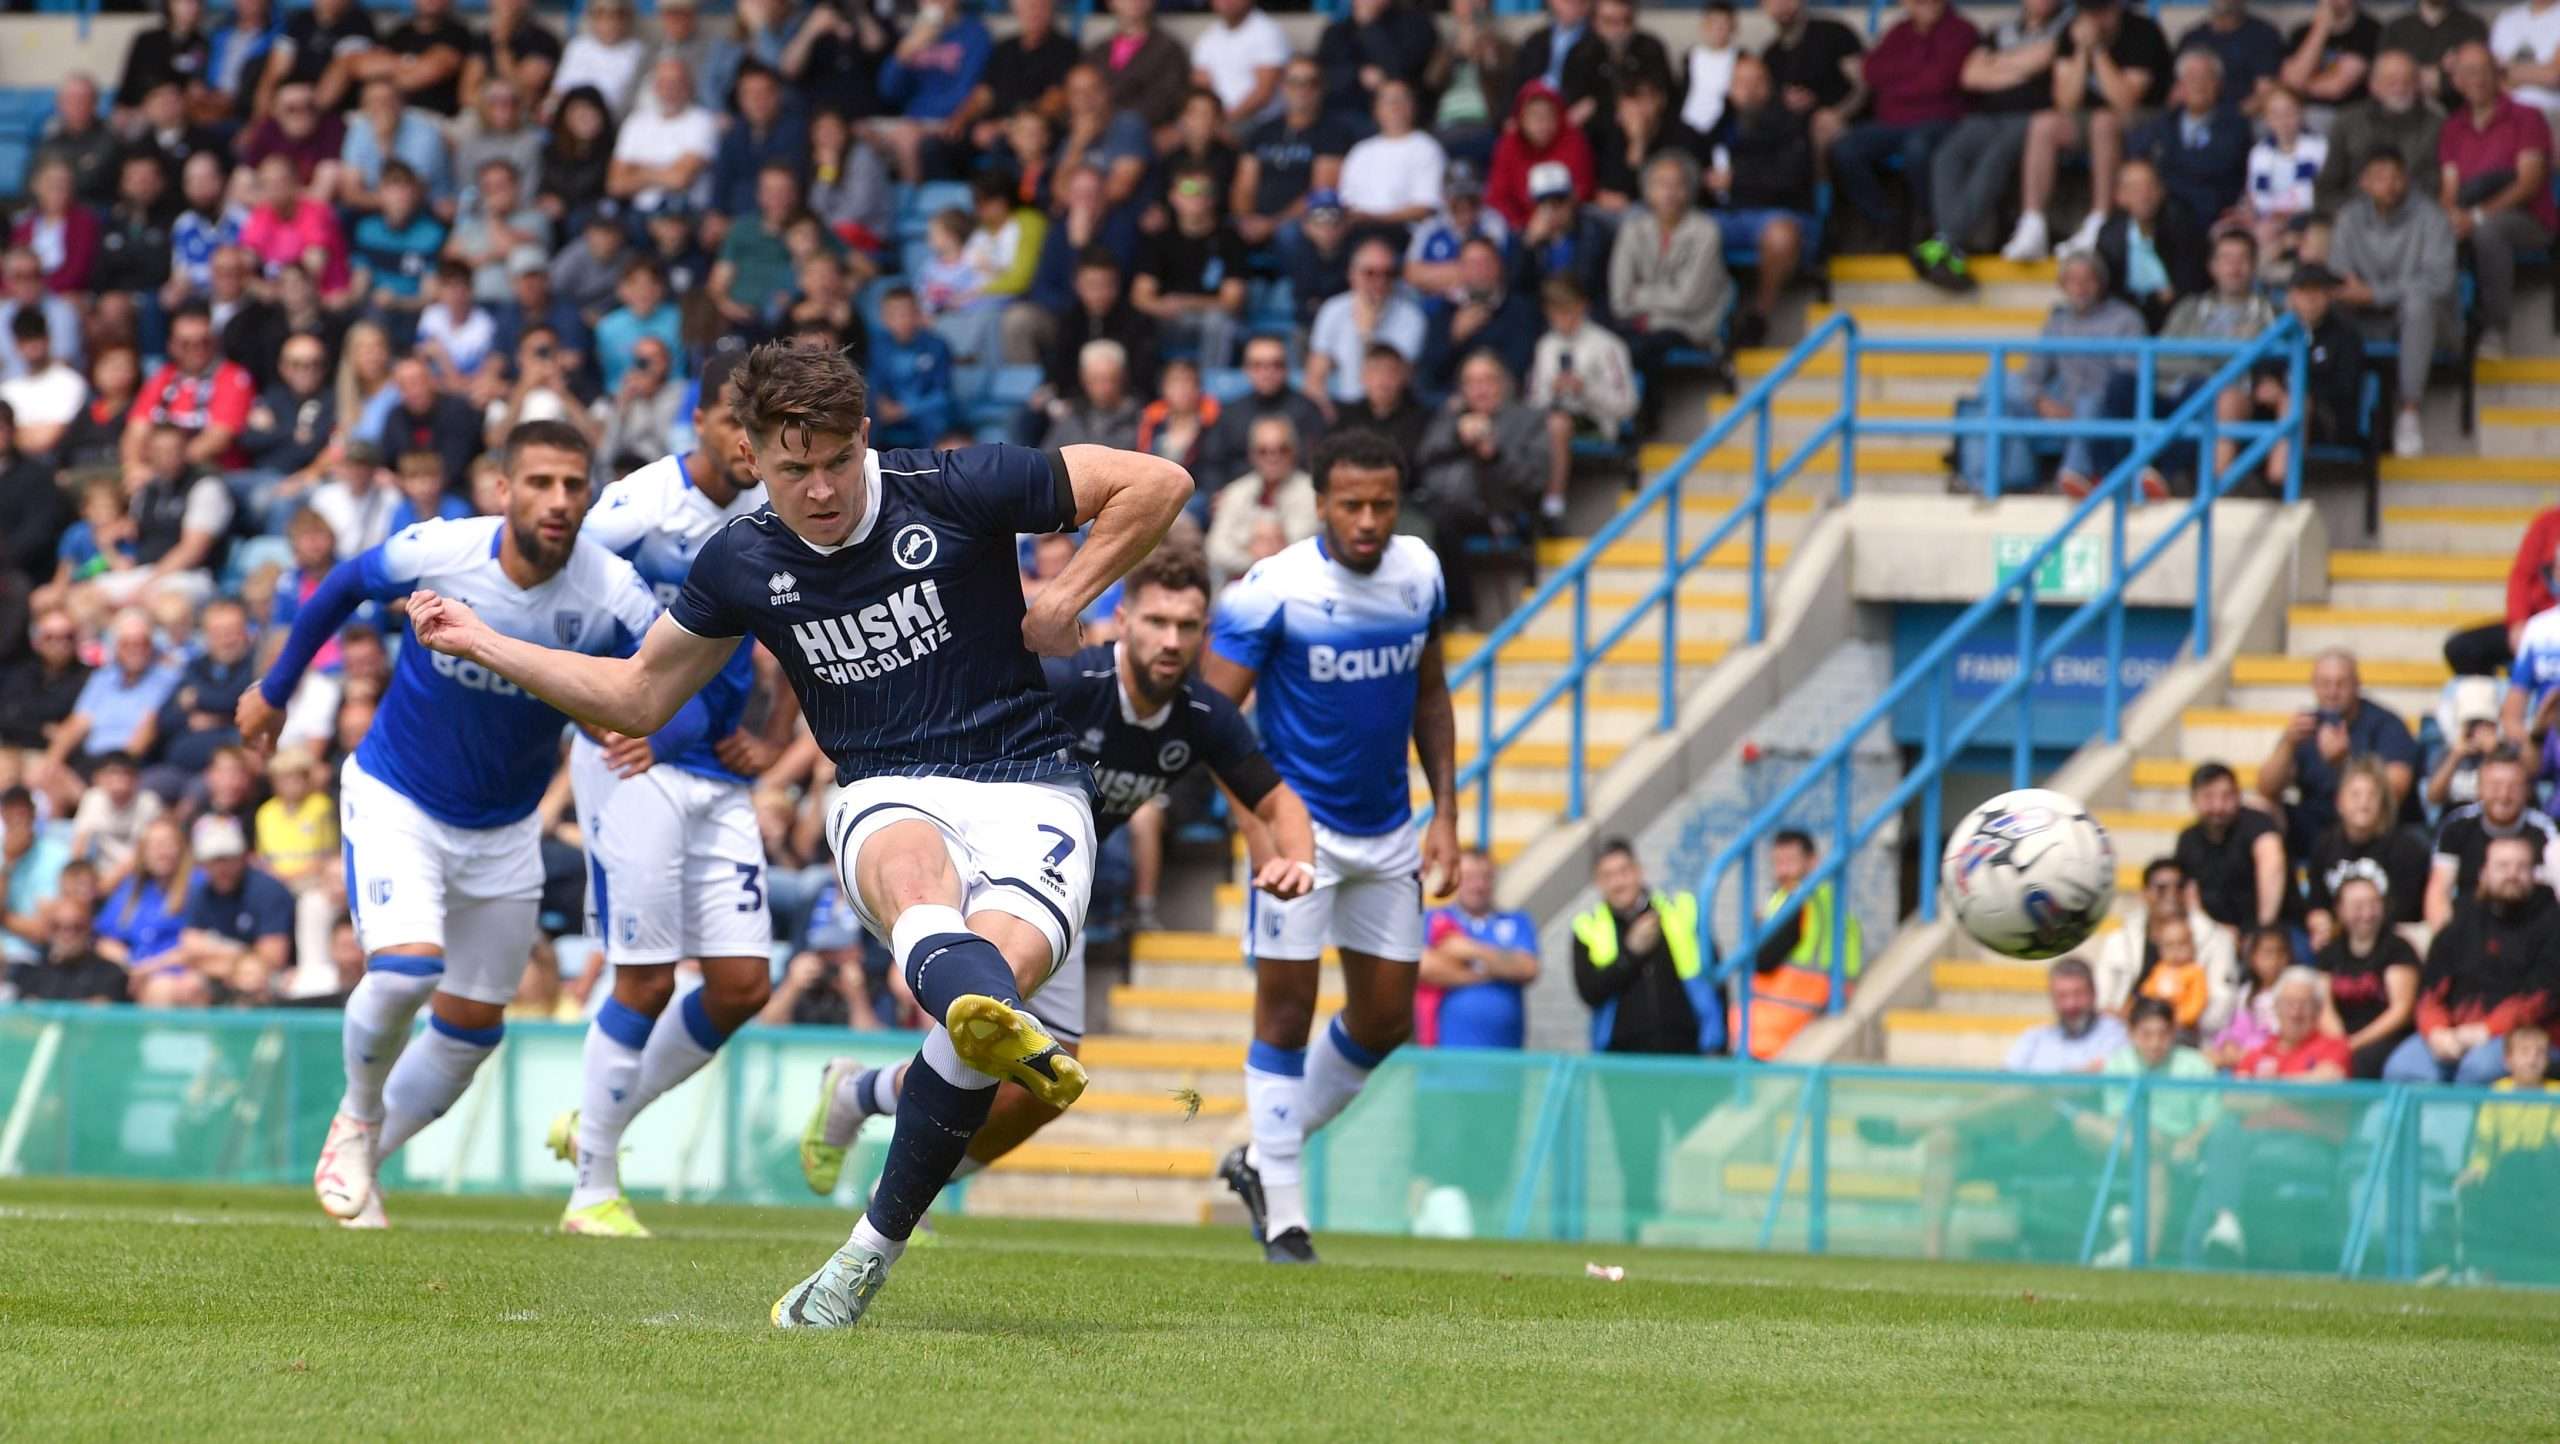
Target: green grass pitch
<point>211,1314</point>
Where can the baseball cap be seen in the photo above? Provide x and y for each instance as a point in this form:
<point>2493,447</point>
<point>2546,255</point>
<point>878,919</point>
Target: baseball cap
<point>1324,199</point>
<point>1549,179</point>
<point>1460,179</point>
<point>216,838</point>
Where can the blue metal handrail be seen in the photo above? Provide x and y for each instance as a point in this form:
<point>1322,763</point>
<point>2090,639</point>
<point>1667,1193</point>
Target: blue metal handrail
<point>1769,474</point>
<point>1943,739</point>
<point>1662,493</point>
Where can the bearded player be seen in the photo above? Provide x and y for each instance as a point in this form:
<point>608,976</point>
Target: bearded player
<point>886,583</point>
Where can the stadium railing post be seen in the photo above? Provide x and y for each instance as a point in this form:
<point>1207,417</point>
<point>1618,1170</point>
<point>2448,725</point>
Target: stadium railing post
<point>2137,1109</point>
<point>2106,1188</point>
<point>1817,1182</point>
<point>2117,580</point>
<point>2022,760</point>
<point>1848,414</point>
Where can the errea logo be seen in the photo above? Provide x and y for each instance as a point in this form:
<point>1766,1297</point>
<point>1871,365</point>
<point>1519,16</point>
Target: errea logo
<point>783,586</point>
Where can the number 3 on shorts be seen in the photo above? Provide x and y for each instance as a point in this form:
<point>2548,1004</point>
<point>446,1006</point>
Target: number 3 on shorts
<point>751,879</point>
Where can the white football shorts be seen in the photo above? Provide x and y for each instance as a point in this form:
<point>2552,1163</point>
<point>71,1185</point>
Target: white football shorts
<point>474,893</point>
<point>1367,898</point>
<point>1021,848</point>
<point>675,863</point>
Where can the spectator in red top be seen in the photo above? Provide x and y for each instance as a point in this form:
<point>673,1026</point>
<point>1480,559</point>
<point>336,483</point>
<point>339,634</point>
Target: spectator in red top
<point>1915,76</point>
<point>62,232</point>
<point>195,391</point>
<point>1539,132</point>
<point>2490,971</point>
<point>2485,651</point>
<point>2496,180</point>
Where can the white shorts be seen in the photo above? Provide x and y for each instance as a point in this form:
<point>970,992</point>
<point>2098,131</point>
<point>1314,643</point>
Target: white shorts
<point>1021,848</point>
<point>472,892</point>
<point>1059,1005</point>
<point>675,863</point>
<point>1367,899</point>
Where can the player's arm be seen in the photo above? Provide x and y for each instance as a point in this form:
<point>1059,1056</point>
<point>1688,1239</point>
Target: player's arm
<point>370,575</point>
<point>1130,499</point>
<point>634,695</point>
<point>1280,838</point>
<point>1435,739</point>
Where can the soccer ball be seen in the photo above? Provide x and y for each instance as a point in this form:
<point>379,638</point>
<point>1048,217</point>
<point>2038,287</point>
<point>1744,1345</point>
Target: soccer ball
<point>2030,873</point>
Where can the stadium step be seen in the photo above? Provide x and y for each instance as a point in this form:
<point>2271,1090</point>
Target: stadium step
<point>1877,456</point>
<point>1641,549</point>
<point>2378,632</point>
<point>2140,835</point>
<point>2527,432</point>
<point>1123,1063</point>
<point>2274,682</point>
<point>1857,281</point>
<point>1208,1014</point>
<point>1897,320</point>
<point>1071,1180</point>
<point>1922,1038</point>
<point>2000,989</point>
<point>2474,530</point>
<point>1169,1119</point>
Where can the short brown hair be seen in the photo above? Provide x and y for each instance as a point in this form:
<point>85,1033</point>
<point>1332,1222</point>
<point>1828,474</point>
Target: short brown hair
<point>555,435</point>
<point>1174,567</point>
<point>780,387</point>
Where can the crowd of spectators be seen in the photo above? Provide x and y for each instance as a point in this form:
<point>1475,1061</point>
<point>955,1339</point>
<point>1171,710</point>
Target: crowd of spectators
<point>2405,877</point>
<point>2385,178</point>
<point>277,284</point>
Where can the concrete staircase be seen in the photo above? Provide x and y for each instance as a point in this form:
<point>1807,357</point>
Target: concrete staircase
<point>2450,525</point>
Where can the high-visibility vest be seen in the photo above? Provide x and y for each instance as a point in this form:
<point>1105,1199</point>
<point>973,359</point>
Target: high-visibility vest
<point>1798,990</point>
<point>1678,914</point>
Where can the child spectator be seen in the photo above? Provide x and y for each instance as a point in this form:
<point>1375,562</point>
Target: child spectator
<point>645,311</point>
<point>297,828</point>
<point>1710,68</point>
<point>315,550</point>
<point>2505,1189</point>
<point>455,334</point>
<point>396,247</point>
<point>108,825</point>
<point>1004,250</point>
<point>1582,377</point>
<point>2177,980</point>
<point>2283,166</point>
<point>2266,953</point>
<point>101,541</point>
<point>910,375</point>
<point>420,477</point>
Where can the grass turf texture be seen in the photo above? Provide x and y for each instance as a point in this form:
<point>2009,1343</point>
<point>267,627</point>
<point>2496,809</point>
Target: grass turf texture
<point>199,1313</point>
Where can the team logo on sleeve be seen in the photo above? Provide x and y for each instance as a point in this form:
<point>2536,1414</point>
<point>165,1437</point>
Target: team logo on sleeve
<point>914,547</point>
<point>378,891</point>
<point>568,627</point>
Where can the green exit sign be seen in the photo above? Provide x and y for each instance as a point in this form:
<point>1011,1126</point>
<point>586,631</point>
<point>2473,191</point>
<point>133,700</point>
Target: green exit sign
<point>2074,570</point>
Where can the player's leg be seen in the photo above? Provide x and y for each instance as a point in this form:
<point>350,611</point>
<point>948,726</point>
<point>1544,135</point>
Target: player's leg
<point>905,869</point>
<point>851,1093</point>
<point>1376,1016</point>
<point>715,909</point>
<point>489,941</point>
<point>395,894</point>
<point>1285,942</point>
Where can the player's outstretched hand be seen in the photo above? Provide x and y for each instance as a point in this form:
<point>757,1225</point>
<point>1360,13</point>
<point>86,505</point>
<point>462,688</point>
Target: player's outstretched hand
<point>444,623</point>
<point>258,720</point>
<point>1048,634</point>
<point>1440,855</point>
<point>1285,877</point>
<point>627,756</point>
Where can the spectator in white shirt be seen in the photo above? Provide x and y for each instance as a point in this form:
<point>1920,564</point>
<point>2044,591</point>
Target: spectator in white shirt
<point>607,55</point>
<point>1710,68</point>
<point>1374,310</point>
<point>47,395</point>
<point>662,159</point>
<point>1584,378</point>
<point>1393,177</point>
<point>1240,55</point>
<point>2526,40</point>
<point>454,334</point>
<point>358,500</point>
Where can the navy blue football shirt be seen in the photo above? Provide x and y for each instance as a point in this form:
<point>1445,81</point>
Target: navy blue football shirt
<point>1134,759</point>
<point>905,642</point>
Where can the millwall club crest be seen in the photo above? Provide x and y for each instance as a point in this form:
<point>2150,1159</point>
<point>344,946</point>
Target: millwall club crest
<point>1174,755</point>
<point>568,627</point>
<point>914,547</point>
